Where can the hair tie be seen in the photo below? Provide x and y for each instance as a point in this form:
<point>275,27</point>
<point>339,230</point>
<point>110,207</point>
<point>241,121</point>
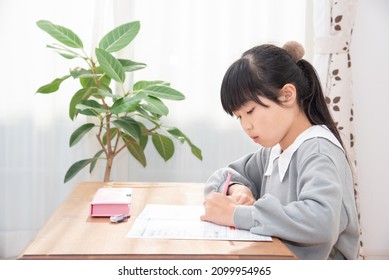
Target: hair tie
<point>295,50</point>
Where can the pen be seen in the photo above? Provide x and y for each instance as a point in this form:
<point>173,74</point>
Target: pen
<point>226,189</point>
<point>227,183</point>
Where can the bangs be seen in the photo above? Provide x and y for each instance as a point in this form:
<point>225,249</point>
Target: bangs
<point>240,85</point>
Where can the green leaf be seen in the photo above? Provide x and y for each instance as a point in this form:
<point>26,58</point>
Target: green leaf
<point>53,86</point>
<point>105,93</point>
<point>143,84</point>
<point>89,112</point>
<point>135,149</point>
<point>83,73</point>
<point>155,106</point>
<point>77,98</point>
<point>110,65</point>
<point>182,137</point>
<point>164,92</point>
<point>79,133</point>
<point>119,37</point>
<point>91,105</point>
<point>67,56</point>
<point>177,134</point>
<point>129,126</point>
<point>93,163</point>
<point>130,66</point>
<point>144,136</point>
<point>126,104</point>
<point>196,151</point>
<point>90,81</point>
<point>60,33</point>
<point>76,167</point>
<point>112,133</point>
<point>164,145</point>
<point>65,52</point>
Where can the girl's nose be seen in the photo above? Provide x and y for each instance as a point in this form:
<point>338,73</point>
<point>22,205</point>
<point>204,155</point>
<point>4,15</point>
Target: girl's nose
<point>246,125</point>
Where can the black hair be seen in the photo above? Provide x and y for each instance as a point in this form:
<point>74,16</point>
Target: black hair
<point>263,71</point>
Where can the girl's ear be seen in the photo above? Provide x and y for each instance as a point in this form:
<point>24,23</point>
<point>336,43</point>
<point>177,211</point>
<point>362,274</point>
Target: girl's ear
<point>288,95</point>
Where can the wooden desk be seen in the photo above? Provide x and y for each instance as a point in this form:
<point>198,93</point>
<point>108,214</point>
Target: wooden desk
<point>72,234</point>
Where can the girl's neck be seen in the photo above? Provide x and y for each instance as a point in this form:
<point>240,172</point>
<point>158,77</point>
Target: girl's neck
<point>300,124</point>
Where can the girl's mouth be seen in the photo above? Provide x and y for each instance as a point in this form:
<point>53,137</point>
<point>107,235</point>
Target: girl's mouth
<point>255,138</point>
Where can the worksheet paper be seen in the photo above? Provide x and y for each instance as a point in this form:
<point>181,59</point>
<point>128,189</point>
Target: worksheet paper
<point>183,222</point>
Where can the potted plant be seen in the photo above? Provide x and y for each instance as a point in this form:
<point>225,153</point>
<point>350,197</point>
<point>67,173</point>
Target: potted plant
<point>122,119</point>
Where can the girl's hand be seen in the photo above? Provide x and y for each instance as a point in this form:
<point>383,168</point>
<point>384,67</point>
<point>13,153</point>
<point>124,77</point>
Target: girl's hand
<point>242,195</point>
<point>219,209</point>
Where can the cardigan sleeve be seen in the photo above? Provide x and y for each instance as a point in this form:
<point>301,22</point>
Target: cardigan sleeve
<point>247,171</point>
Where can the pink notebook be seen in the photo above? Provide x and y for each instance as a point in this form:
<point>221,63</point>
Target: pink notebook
<point>111,201</point>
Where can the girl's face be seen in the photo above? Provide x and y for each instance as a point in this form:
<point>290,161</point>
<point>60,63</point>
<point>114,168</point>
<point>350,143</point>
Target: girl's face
<point>272,125</point>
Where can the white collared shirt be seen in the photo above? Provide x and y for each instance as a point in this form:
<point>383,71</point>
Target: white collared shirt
<point>286,156</point>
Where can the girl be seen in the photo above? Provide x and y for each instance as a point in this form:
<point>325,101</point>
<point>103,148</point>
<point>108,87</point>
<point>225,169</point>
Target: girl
<point>298,186</point>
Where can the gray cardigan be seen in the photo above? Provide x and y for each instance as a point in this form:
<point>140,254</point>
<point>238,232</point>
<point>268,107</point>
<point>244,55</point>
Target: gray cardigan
<point>311,208</point>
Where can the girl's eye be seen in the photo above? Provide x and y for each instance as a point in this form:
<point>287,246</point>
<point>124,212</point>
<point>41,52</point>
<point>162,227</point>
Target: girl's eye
<point>250,111</point>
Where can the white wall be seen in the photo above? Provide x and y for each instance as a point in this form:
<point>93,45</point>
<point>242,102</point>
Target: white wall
<point>370,58</point>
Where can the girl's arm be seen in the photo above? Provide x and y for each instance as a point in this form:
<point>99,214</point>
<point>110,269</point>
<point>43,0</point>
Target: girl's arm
<point>247,171</point>
<point>220,208</point>
<point>244,188</point>
<point>241,194</point>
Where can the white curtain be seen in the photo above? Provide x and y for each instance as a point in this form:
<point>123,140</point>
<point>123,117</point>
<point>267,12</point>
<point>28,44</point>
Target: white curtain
<point>333,26</point>
<point>35,129</point>
<point>188,43</point>
<point>191,44</point>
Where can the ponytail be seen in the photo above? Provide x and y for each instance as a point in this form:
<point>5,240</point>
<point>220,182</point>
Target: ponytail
<point>313,102</point>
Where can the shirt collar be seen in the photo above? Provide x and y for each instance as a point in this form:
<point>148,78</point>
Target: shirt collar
<point>286,156</point>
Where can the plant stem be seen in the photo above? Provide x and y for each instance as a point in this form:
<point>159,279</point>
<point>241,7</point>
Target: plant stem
<point>108,167</point>
<point>110,152</point>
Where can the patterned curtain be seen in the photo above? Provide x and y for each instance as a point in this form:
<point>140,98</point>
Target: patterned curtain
<point>333,27</point>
